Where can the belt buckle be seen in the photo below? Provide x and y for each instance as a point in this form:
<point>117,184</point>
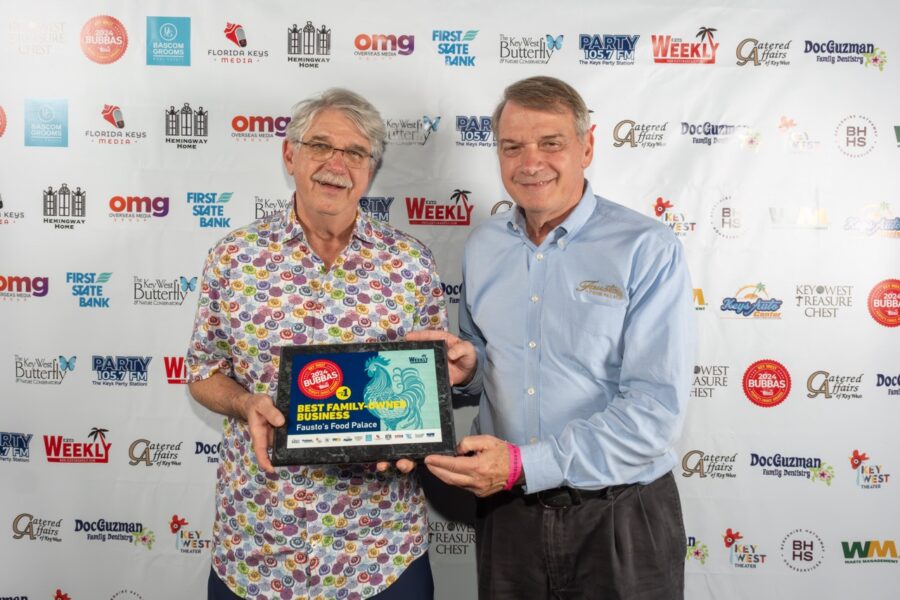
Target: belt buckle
<point>559,498</point>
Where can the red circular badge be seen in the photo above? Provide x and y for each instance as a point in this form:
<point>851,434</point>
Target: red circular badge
<point>2,122</point>
<point>767,383</point>
<point>104,39</point>
<point>884,302</point>
<point>320,379</point>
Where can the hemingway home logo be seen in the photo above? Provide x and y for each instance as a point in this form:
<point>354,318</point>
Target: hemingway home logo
<point>138,208</point>
<point>236,53</point>
<point>120,370</point>
<point>868,476</point>
<point>187,128</point>
<point>639,135</point>
<point>14,447</point>
<point>843,387</point>
<point>266,207</point>
<point>411,132</point>
<point>668,49</point>
<point>870,551</point>
<point>88,288</point>
<point>187,541</point>
<point>43,371</point>
<point>23,287</point>
<point>209,208</point>
<point>823,301</point>
<point>422,211</point>
<point>742,554</point>
<point>474,131</point>
<point>60,449</point>
<point>708,379</point>
<point>44,530</point>
<point>64,208</point>
<point>832,52</point>
<point>309,47</point>
<point>453,45</point>
<point>114,133</point>
<point>752,300</point>
<point>142,451</point>
<point>778,465</point>
<point>378,207</point>
<point>607,50</point>
<point>717,466</point>
<point>163,292</point>
<point>766,54</point>
<point>256,128</point>
<point>529,50</point>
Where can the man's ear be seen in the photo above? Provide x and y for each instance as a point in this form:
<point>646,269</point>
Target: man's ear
<point>287,154</point>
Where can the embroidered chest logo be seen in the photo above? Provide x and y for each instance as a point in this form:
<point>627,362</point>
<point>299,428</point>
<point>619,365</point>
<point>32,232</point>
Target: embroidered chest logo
<point>596,288</point>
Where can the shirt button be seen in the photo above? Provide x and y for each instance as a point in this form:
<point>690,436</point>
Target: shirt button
<point>532,440</point>
<point>532,344</point>
<point>562,243</point>
<point>531,391</point>
<point>535,298</point>
<point>539,256</point>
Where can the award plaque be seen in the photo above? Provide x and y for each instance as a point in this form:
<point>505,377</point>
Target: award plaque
<point>353,403</point>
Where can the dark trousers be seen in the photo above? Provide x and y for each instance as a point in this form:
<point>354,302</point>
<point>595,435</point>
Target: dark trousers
<point>625,544</point>
<point>415,583</point>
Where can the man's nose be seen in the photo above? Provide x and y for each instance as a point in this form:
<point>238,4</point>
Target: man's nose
<point>531,158</point>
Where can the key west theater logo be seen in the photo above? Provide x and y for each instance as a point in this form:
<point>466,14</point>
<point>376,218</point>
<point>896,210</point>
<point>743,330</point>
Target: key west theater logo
<point>669,49</point>
<point>61,449</point>
<point>192,541</point>
<point>868,476</point>
<point>741,553</point>
<point>455,211</point>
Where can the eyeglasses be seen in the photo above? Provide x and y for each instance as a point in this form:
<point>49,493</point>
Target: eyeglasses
<point>320,152</point>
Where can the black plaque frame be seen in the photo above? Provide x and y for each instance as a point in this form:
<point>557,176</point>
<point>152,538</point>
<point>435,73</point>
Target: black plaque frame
<point>338,454</point>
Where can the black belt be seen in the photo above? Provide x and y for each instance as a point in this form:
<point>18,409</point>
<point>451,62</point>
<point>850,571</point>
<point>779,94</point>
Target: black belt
<point>564,497</point>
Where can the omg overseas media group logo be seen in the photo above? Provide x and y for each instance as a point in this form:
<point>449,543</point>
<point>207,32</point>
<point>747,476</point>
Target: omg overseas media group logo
<point>137,208</point>
<point>715,466</point>
<point>454,211</point>
<point>47,123</point>
<point>378,207</point>
<point>186,128</point>
<point>209,208</point>
<point>864,54</point>
<point>60,449</point>
<point>169,41</point>
<point>766,383</point>
<point>411,131</point>
<point>475,131</point>
<point>741,553</point>
<point>28,526</point>
<point>606,49</point>
<point>23,287</point>
<point>453,45</point>
<point>235,47</point>
<point>633,134</point>
<point>763,53</point>
<point>15,446</point>
<point>884,302</point>
<point>43,371</point>
<point>125,371</point>
<point>671,49</point>
<point>383,46</point>
<point>89,288</point>
<point>162,292</point>
<point>310,46</point>
<point>254,128</point>
<point>869,476</point>
<point>528,50</point>
<point>678,222</point>
<point>193,541</point>
<point>104,39</point>
<point>751,301</point>
<point>154,454</point>
<point>111,130</point>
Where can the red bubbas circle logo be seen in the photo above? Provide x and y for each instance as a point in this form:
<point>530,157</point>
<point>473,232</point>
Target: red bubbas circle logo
<point>767,383</point>
<point>884,302</point>
<point>320,379</point>
<point>104,39</point>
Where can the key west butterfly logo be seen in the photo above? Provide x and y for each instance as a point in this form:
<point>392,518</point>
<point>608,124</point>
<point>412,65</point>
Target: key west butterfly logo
<point>554,43</point>
<point>525,50</point>
<point>163,292</point>
<point>43,371</point>
<point>411,132</point>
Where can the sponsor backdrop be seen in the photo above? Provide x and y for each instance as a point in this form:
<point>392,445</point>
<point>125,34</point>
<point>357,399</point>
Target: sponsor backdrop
<point>133,137</point>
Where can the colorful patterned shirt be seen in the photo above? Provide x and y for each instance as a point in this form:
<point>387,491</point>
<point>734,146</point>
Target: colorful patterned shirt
<point>320,531</point>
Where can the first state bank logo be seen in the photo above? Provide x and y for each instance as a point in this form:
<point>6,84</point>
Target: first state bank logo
<point>169,41</point>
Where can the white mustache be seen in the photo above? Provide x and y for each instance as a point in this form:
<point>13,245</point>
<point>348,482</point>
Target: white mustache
<point>330,178</point>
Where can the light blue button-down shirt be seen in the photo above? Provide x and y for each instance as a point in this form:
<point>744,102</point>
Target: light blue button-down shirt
<point>585,343</point>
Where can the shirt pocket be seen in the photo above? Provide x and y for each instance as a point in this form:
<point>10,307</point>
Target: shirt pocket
<point>594,325</point>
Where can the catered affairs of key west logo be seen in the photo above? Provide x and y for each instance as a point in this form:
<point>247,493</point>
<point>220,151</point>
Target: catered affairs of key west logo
<point>309,46</point>
<point>169,41</point>
<point>678,222</point>
<point>716,466</point>
<point>186,128</point>
<point>209,208</point>
<point>127,371</point>
<point>60,449</point>
<point>741,553</point>
<point>822,301</point>
<point>154,454</point>
<point>235,48</point>
<point>88,288</point>
<point>780,465</point>
<point>266,207</point>
<point>751,300</point>
<point>162,292</point>
<point>869,476</point>
<point>875,219</point>
<point>254,128</point>
<point>639,135</point>
<point>43,371</point>
<point>15,446</point>
<point>709,379</point>
<point>474,131</point>
<point>766,383</point>
<point>25,525</point>
<point>379,45</point>
<point>829,385</point>
<point>884,302</point>
<point>751,51</point>
<point>855,136</point>
<point>378,207</point>
<point>607,49</point>
<point>528,50</point>
<point>110,129</point>
<point>669,49</point>
<point>64,208</point>
<point>411,132</point>
<point>865,54</point>
<point>192,541</point>
<point>47,123</point>
<point>454,211</point>
<point>23,287</point>
<point>453,45</point>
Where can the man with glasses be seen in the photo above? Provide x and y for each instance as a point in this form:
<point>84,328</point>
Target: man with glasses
<point>321,272</point>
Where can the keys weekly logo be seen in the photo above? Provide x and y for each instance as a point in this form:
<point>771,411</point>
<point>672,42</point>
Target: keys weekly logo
<point>422,211</point>
<point>61,449</point>
<point>176,369</point>
<point>669,49</point>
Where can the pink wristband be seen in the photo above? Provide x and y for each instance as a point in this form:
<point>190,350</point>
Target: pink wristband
<point>515,466</point>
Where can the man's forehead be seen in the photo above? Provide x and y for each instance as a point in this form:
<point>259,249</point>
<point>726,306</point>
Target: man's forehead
<point>557,120</point>
<point>331,124</point>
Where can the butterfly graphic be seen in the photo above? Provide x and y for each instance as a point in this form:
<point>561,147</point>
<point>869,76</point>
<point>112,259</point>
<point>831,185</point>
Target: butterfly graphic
<point>431,124</point>
<point>67,364</point>
<point>188,285</point>
<point>554,44</point>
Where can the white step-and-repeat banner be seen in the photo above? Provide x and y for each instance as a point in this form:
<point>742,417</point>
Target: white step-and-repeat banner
<point>134,135</point>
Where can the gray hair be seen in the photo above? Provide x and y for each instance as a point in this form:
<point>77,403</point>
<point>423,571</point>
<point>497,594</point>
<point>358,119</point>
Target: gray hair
<point>359,110</point>
<point>546,94</point>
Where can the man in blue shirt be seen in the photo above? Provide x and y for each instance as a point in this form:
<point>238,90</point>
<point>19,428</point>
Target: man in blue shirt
<point>576,329</point>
